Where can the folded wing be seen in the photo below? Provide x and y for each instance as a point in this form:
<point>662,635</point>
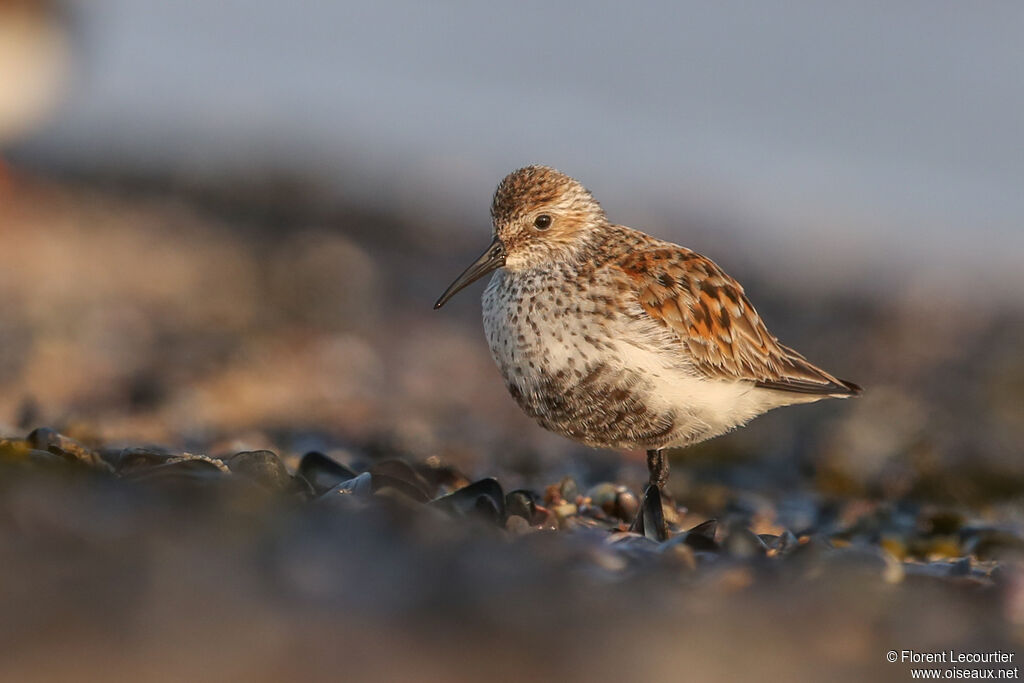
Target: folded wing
<point>715,322</point>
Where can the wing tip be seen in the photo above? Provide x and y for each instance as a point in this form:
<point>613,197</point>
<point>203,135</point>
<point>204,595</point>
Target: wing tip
<point>836,388</point>
<point>851,388</point>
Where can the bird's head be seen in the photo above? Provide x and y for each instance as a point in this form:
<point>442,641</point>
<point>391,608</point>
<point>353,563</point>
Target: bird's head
<point>539,216</point>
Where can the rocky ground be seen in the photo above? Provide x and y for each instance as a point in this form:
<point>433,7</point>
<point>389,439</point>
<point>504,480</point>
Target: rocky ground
<point>344,490</point>
<point>158,564</point>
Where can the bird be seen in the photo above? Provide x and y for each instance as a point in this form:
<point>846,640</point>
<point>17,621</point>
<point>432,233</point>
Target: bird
<point>620,340</point>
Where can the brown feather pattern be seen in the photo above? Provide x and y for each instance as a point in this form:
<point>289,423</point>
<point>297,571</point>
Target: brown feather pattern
<point>716,323</point>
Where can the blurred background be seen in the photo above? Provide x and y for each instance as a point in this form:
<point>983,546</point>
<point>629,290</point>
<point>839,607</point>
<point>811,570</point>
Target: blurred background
<point>223,225</point>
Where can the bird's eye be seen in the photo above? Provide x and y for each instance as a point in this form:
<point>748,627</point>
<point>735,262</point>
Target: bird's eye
<point>542,222</point>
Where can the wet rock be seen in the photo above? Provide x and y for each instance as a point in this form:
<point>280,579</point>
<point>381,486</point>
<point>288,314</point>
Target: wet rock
<point>384,484</point>
<point>522,503</point>
<point>322,472</point>
<point>483,499</point>
<point>181,469</point>
<point>400,476</point>
<point>262,467</point>
<point>441,476</point>
<point>111,456</point>
<point>700,537</point>
<point>141,457</point>
<point>46,439</point>
<point>626,505</point>
<point>303,488</point>
<point>360,486</point>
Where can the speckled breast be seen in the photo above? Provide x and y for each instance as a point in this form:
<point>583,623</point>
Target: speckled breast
<point>551,333</point>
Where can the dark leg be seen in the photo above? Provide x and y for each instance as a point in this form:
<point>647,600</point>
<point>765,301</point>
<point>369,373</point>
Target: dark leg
<point>650,518</point>
<point>657,466</point>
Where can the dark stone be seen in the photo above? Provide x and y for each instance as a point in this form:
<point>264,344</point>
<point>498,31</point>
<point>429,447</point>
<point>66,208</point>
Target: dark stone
<point>322,472</point>
<point>702,536</point>
<point>523,503</point>
<point>401,477</point>
<point>263,467</point>
<point>360,487</point>
<point>441,476</point>
<point>483,499</point>
<point>138,457</point>
<point>382,482</point>
<point>626,505</point>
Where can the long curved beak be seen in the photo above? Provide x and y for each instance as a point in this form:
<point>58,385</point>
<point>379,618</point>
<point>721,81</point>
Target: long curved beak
<point>489,261</point>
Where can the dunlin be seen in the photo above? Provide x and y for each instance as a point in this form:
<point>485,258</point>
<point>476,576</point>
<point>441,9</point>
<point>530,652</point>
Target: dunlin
<point>617,339</point>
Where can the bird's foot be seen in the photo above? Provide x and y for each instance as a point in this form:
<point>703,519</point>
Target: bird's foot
<point>650,517</point>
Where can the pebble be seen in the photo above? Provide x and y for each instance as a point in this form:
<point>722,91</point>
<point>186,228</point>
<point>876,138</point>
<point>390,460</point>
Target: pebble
<point>46,439</point>
<point>141,457</point>
<point>884,541</point>
<point>262,467</point>
<point>322,472</point>
<point>482,499</point>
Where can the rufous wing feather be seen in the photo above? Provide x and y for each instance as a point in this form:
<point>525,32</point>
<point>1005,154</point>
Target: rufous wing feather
<point>712,317</point>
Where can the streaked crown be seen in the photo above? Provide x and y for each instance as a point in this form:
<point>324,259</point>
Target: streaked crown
<point>542,215</point>
<point>527,189</point>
